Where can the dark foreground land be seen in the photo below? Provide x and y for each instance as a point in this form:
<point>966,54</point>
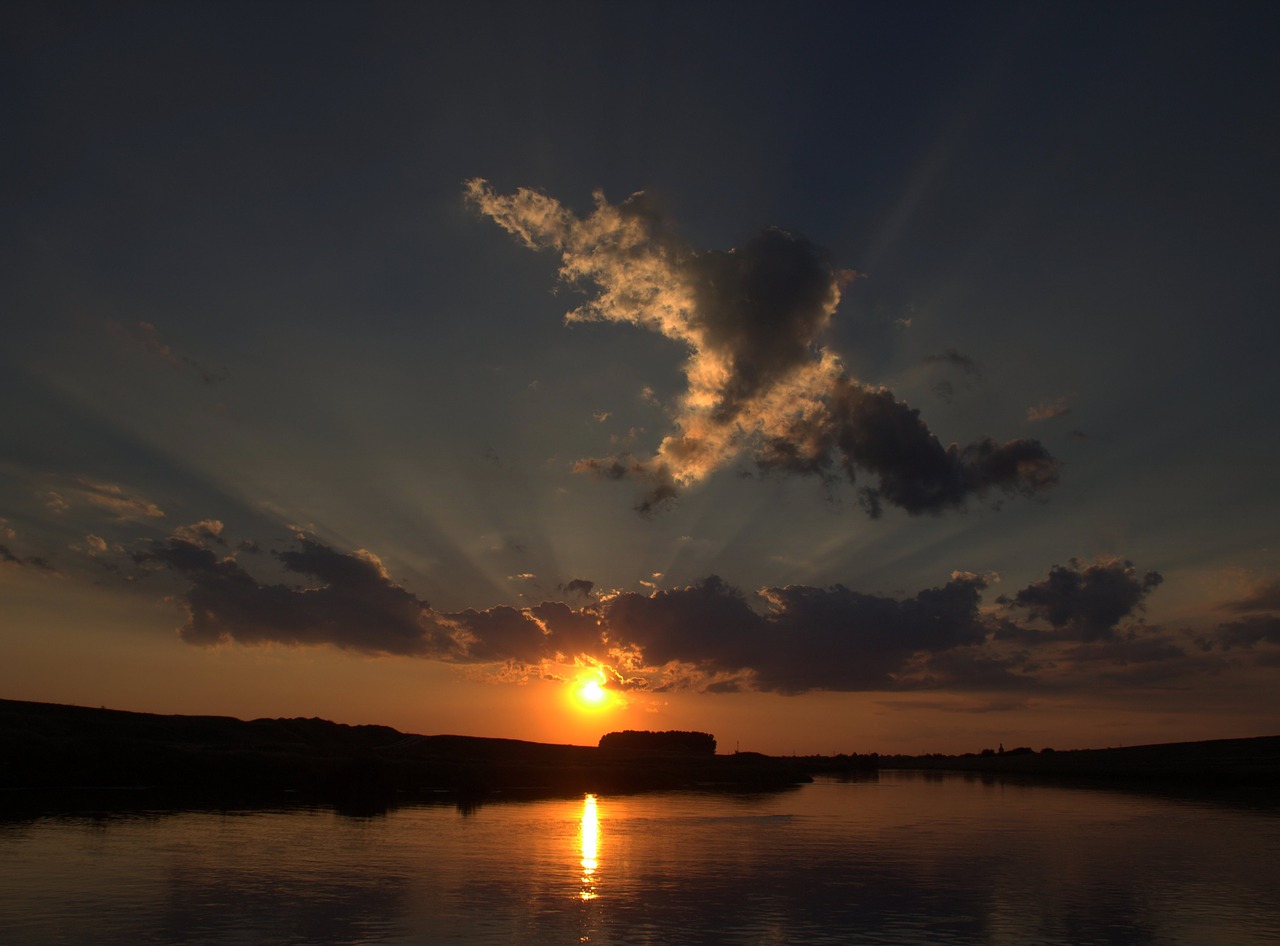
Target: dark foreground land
<point>1218,765</point>
<point>50,747</point>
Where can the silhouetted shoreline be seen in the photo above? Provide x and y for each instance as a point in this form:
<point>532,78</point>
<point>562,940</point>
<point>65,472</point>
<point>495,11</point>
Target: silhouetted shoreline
<point>1247,769</point>
<point>52,747</point>
<point>53,750</point>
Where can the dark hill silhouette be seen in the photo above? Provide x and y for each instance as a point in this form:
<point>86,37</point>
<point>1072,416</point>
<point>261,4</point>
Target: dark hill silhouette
<point>53,746</point>
<point>45,746</point>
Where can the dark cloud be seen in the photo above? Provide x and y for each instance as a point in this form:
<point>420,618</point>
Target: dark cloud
<point>878,433</point>
<point>761,309</point>
<point>810,639</point>
<point>351,602</point>
<point>849,640</point>
<point>708,636</point>
<point>500,634</point>
<point>1087,601</point>
<point>760,380</point>
<point>708,624</point>
<point>1264,596</point>
<point>31,561</point>
<point>1247,632</point>
<point>968,668</point>
<point>570,633</point>
<point>873,431</point>
<point>954,359</point>
<point>1140,645</point>
<point>354,605</point>
<point>578,586</point>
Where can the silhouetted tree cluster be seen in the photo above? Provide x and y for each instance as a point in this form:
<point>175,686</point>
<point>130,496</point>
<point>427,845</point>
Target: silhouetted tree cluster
<point>672,741</point>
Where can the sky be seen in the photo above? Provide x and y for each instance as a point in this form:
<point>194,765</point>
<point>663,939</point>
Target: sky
<point>836,377</point>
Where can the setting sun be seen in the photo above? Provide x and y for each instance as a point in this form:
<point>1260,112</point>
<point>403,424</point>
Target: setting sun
<point>589,693</point>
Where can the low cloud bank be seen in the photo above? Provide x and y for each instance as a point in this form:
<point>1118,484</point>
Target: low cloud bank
<point>709,635</point>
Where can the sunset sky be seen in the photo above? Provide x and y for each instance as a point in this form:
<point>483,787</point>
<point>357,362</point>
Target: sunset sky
<point>828,377</point>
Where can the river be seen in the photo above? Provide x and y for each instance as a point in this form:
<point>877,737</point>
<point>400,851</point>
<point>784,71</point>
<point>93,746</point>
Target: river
<point>899,859</point>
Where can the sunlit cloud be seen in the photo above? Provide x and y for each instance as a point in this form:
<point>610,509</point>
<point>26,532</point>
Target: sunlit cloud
<point>760,381</point>
<point>122,505</point>
<point>1049,410</point>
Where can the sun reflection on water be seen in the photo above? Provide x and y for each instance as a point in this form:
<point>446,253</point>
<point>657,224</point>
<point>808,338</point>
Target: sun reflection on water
<point>590,837</point>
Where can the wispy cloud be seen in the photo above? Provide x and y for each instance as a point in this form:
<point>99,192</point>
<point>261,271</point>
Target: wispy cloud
<point>954,359</point>
<point>760,379</point>
<point>123,505</point>
<point>1049,410</point>
<point>148,337</point>
<point>7,557</point>
<point>1264,595</point>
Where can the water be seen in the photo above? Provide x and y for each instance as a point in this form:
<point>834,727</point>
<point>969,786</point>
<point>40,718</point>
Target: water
<point>902,860</point>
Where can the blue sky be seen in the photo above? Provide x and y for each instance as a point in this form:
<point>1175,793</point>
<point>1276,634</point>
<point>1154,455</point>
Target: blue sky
<point>293,424</point>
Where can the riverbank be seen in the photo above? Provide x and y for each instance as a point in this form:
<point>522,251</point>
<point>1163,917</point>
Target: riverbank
<point>52,747</point>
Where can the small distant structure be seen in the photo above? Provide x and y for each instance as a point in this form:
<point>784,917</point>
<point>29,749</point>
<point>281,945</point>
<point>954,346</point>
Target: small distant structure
<point>671,742</point>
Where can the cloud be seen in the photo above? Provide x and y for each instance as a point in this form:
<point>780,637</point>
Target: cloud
<point>351,602</point>
<point>499,634</point>
<point>7,557</point>
<point>708,636</point>
<point>1247,632</point>
<point>109,496</point>
<point>206,530</point>
<point>760,381</point>
<point>808,639</point>
<point>149,336</point>
<point>954,359</point>
<point>578,586</point>
<point>1085,601</point>
<point>1049,410</point>
<point>1140,645</point>
<point>1264,596</point>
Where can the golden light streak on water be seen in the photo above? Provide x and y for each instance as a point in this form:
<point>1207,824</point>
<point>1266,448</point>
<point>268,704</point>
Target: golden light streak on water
<point>590,838</point>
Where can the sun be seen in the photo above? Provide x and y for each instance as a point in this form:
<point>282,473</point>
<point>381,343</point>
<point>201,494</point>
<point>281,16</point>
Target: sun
<point>590,693</point>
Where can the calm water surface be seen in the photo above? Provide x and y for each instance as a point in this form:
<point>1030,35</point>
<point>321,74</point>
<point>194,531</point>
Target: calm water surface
<point>902,860</point>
